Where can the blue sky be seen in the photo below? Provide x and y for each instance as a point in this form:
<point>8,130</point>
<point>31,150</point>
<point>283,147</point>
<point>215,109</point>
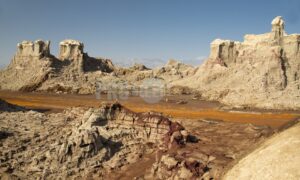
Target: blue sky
<point>149,31</point>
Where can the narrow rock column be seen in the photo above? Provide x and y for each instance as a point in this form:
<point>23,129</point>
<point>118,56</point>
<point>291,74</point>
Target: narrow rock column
<point>72,50</point>
<point>278,27</point>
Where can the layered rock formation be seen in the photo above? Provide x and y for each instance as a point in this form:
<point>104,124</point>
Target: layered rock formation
<point>74,71</point>
<point>171,71</point>
<point>102,139</point>
<point>29,68</point>
<point>112,142</point>
<point>37,49</point>
<point>33,68</point>
<point>72,50</point>
<point>112,121</point>
<point>262,71</point>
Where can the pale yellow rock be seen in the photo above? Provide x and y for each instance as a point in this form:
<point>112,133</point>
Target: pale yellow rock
<point>70,49</point>
<point>37,48</point>
<point>262,71</point>
<point>29,67</point>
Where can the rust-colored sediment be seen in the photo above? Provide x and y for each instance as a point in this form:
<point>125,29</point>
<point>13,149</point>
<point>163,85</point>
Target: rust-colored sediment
<point>274,120</point>
<point>191,110</point>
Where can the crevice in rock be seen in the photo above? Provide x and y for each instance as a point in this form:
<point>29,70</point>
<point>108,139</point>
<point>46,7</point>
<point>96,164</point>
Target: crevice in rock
<point>283,63</point>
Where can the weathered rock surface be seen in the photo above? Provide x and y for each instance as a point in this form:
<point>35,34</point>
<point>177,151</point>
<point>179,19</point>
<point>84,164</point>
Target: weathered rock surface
<point>111,130</point>
<point>173,70</point>
<point>70,49</point>
<point>262,71</point>
<point>76,71</point>
<point>29,68</point>
<point>219,144</point>
<point>64,144</point>
<point>35,69</point>
<point>113,142</point>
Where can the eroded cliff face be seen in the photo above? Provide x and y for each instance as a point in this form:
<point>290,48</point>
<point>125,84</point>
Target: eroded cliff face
<point>72,50</point>
<point>37,49</point>
<point>260,72</point>
<point>76,71</point>
<point>29,67</point>
<point>33,68</point>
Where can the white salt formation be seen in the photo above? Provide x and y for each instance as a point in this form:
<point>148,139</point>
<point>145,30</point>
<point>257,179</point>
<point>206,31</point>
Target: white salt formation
<point>263,71</point>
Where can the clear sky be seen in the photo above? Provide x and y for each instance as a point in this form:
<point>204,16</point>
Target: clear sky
<point>147,31</point>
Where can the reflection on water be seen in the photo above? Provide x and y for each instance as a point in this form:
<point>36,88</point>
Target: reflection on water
<point>151,90</point>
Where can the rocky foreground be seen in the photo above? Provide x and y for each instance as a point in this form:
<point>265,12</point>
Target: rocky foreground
<point>113,142</point>
<point>261,72</point>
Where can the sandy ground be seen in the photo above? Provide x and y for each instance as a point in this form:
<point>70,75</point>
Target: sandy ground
<point>192,109</point>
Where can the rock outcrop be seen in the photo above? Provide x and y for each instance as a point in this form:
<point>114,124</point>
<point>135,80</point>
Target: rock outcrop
<point>262,71</point>
<point>180,167</point>
<point>29,68</point>
<point>112,122</point>
<point>173,70</point>
<point>72,51</point>
<point>217,145</point>
<point>104,138</point>
<point>110,142</point>
<point>33,68</point>
<point>74,71</point>
<point>37,49</point>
